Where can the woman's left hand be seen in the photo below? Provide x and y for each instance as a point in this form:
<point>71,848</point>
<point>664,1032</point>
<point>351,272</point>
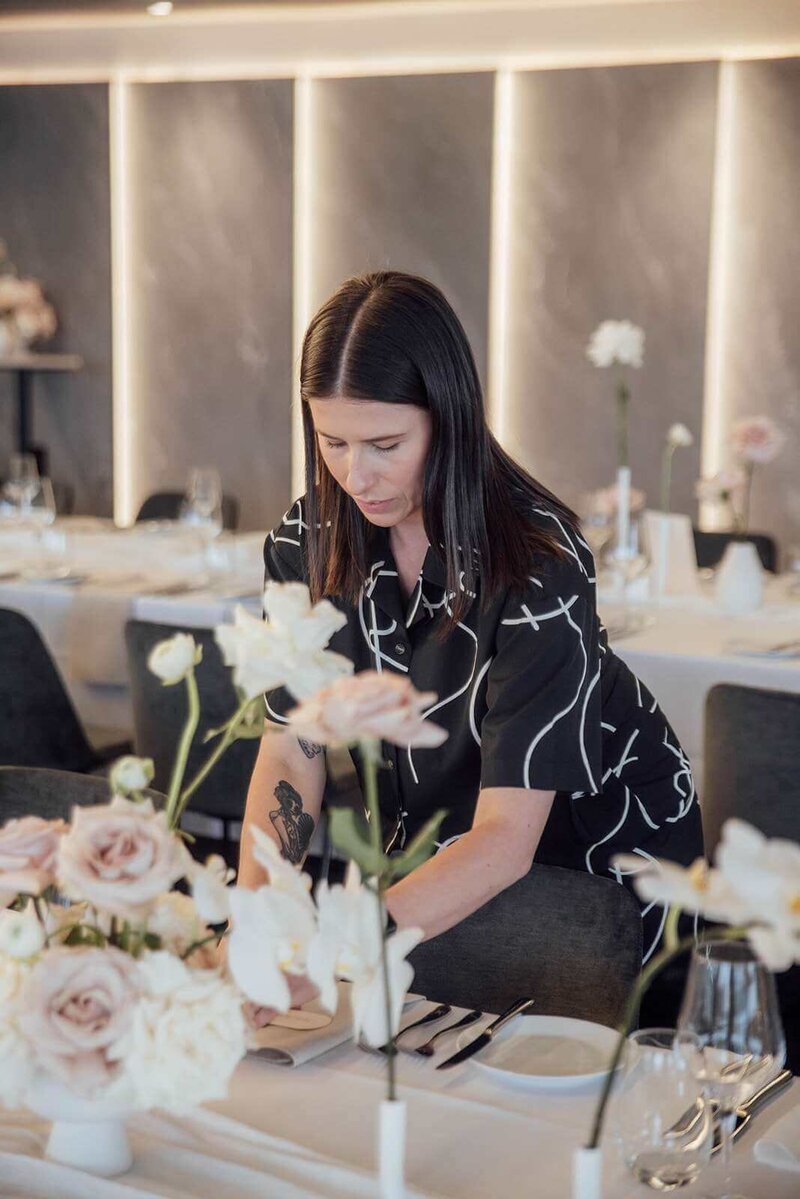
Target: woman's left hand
<point>301,989</point>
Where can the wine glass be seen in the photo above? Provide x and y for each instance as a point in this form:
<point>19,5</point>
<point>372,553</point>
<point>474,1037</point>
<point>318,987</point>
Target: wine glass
<point>663,1121</point>
<point>23,481</point>
<point>42,504</point>
<point>731,1026</point>
<point>202,503</point>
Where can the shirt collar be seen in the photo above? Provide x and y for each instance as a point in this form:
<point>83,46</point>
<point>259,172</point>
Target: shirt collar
<point>382,585</point>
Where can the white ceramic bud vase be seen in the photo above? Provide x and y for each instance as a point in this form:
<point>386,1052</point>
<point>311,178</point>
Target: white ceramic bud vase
<point>392,1149</point>
<point>87,1134</point>
<point>740,579</point>
<point>587,1174</point>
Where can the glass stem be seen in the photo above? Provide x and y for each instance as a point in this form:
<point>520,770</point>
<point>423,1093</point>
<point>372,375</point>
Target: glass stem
<point>727,1123</point>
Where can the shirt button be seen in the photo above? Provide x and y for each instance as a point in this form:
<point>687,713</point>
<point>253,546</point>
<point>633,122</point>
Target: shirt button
<point>399,648</point>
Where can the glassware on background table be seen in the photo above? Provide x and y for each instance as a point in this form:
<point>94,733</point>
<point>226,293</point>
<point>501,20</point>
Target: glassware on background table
<point>597,526</point>
<point>202,504</point>
<point>663,1122</point>
<point>731,1028</point>
<point>793,571</point>
<point>629,561</point>
<point>22,482</point>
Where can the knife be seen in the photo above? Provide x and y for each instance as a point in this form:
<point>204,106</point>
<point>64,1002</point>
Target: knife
<point>485,1037</point>
<point>745,1111</point>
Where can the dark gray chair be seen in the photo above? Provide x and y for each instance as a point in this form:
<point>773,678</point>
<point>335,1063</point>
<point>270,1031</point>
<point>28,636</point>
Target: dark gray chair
<point>752,761</point>
<point>51,794</point>
<point>159,714</point>
<point>710,546</point>
<point>571,941</point>
<point>166,505</point>
<point>38,724</point>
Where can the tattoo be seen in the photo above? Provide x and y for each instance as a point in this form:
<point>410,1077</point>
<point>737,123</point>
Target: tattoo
<point>293,826</point>
<point>309,748</point>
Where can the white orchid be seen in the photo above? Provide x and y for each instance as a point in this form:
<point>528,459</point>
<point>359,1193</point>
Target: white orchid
<point>696,888</point>
<point>348,946</point>
<point>616,341</point>
<point>271,932</point>
<point>130,774</point>
<point>288,649</point>
<point>210,888</point>
<point>174,658</point>
<point>283,876</point>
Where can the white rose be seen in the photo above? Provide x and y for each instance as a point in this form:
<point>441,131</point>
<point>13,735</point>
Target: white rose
<point>368,706</point>
<point>21,934</point>
<point>172,660</point>
<point>130,774</point>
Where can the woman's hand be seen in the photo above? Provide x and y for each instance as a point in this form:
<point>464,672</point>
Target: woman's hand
<point>301,989</point>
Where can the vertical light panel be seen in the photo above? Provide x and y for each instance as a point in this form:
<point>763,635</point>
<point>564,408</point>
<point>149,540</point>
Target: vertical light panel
<point>500,252</point>
<point>124,455</point>
<point>303,240</point>
<point>719,286</point>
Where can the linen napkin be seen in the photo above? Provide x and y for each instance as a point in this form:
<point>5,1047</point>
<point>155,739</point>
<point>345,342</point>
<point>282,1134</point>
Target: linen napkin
<point>780,1148</point>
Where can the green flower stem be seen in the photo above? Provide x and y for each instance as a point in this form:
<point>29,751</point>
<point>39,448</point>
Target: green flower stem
<point>666,476</point>
<point>647,975</point>
<point>743,523</point>
<point>215,755</point>
<point>623,404</point>
<point>369,755</point>
<point>184,745</point>
<point>218,937</point>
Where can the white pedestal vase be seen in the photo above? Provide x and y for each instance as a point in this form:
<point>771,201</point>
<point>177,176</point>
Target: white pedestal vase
<point>87,1134</point>
<point>392,1149</point>
<point>670,543</point>
<point>587,1174</point>
<point>740,579</point>
<point>623,508</point>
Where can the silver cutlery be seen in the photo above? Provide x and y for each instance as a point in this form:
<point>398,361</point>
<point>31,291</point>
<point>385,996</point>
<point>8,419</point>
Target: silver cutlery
<point>427,1050</point>
<point>485,1037</point>
<point>437,1013</point>
<point>747,1110</point>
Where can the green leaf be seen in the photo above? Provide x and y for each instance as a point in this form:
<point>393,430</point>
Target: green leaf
<point>419,849</point>
<point>152,940</point>
<point>350,833</point>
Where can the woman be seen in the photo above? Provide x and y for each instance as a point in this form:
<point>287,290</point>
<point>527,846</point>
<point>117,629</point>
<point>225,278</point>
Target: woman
<point>457,568</point>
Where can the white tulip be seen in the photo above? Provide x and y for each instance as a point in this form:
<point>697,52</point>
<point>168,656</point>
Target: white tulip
<point>616,341</point>
<point>21,934</point>
<point>130,774</point>
<point>679,436</point>
<point>172,660</point>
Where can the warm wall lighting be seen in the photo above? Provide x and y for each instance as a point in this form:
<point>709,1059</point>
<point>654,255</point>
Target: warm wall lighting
<point>124,449</point>
<point>500,252</point>
<point>162,8</point>
<point>303,257</point>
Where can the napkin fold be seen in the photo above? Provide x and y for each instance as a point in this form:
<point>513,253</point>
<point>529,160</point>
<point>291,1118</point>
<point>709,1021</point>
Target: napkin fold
<point>780,1148</point>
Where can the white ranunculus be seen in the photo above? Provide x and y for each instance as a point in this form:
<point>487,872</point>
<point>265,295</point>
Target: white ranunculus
<point>173,659</point>
<point>679,436</point>
<point>270,935</point>
<point>21,934</point>
<point>288,649</point>
<point>210,888</point>
<point>186,1036</point>
<point>175,919</point>
<point>616,341</point>
<point>130,774</point>
<point>348,946</point>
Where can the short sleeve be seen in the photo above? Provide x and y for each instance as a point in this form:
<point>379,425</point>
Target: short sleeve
<point>280,567</point>
<point>542,728</point>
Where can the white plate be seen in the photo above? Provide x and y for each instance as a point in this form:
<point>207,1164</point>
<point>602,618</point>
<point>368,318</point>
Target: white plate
<point>552,1053</point>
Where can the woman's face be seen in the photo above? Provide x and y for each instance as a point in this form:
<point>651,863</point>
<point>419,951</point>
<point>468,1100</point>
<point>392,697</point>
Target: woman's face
<point>376,453</point>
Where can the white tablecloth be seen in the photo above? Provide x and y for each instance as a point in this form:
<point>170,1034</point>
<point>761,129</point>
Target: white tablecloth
<point>468,1138</point>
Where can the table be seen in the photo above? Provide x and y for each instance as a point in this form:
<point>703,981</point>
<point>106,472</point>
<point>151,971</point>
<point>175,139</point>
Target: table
<point>24,366</point>
<point>309,1133</point>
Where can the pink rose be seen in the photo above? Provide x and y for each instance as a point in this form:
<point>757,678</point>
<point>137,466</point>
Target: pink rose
<point>605,501</point>
<point>757,439</point>
<point>120,857</point>
<point>368,706</point>
<point>28,856</point>
<point>77,1005</point>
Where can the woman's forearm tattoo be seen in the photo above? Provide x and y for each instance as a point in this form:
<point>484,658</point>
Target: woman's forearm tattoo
<point>293,826</point>
<point>309,748</point>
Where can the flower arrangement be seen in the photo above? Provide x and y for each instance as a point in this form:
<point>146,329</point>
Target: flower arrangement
<point>25,315</point>
<point>109,978</point>
<point>753,889</point>
<point>754,441</point>
<point>678,437</point>
<point>619,343</point>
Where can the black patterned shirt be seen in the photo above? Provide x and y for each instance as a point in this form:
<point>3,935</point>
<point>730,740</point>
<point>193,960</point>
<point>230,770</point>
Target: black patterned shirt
<point>531,696</point>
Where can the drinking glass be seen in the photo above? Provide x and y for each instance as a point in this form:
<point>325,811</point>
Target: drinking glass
<point>23,481</point>
<point>663,1121</point>
<point>202,503</point>
<point>730,1024</point>
<point>627,561</point>
<point>42,505</point>
<point>597,525</point>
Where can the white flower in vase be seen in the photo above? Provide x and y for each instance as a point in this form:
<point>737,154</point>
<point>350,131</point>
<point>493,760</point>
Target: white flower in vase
<point>21,933</point>
<point>368,706</point>
<point>755,441</point>
<point>130,774</point>
<point>616,342</point>
<point>173,659</point>
<point>28,851</point>
<point>210,889</point>
<point>678,437</point>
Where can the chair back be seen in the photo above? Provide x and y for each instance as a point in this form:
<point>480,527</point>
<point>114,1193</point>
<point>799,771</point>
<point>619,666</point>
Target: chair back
<point>51,794</point>
<point>159,714</point>
<point>166,505</point>
<point>39,725</point>
<point>569,940</point>
<point>710,546</point>
<point>752,761</point>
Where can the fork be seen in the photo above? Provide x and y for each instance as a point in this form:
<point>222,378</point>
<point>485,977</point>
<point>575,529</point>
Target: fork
<point>437,1013</point>
<point>427,1050</point>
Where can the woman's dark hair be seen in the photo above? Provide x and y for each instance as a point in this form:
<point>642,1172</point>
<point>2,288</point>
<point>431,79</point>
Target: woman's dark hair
<point>393,337</point>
